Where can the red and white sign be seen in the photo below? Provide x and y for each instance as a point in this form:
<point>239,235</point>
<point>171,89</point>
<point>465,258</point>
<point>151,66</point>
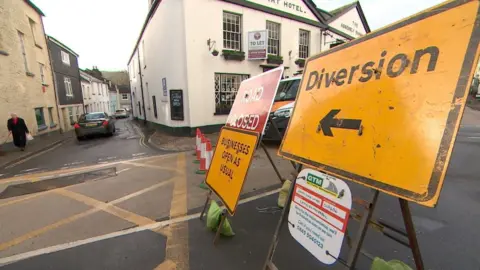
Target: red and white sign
<point>319,214</point>
<point>254,101</point>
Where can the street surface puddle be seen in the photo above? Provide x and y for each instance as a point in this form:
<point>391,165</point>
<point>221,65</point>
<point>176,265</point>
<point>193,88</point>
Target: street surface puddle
<point>54,183</point>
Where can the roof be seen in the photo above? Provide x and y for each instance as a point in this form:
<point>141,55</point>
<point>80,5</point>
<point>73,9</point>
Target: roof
<point>310,4</point>
<point>325,14</point>
<point>124,89</point>
<point>338,12</point>
<point>62,45</point>
<point>89,77</point>
<point>39,11</point>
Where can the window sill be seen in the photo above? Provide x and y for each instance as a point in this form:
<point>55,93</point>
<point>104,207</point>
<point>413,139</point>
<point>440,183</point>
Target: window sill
<point>69,95</point>
<point>44,84</point>
<point>30,74</point>
<point>38,46</point>
<point>4,53</point>
<point>42,127</point>
<point>53,126</point>
<point>221,113</point>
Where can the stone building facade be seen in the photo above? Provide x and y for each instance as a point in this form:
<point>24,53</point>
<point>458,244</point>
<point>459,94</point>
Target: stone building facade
<point>26,82</point>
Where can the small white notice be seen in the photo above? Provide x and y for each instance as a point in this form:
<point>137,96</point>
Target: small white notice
<point>319,214</point>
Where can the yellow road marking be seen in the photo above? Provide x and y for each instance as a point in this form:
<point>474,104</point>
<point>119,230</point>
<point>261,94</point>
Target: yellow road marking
<point>177,249</point>
<point>109,208</point>
<point>26,197</point>
<point>153,166</point>
<point>167,265</point>
<point>38,176</point>
<point>73,218</point>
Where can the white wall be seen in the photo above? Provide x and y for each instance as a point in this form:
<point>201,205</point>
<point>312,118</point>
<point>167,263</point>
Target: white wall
<point>349,23</point>
<point>165,53</point>
<point>203,21</point>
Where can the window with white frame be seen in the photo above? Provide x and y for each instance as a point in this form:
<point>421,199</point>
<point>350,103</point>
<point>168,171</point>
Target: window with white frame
<point>68,87</point>
<point>42,72</point>
<point>65,58</point>
<point>83,92</point>
<point>21,38</point>
<point>232,31</point>
<point>273,30</point>
<point>33,28</point>
<point>226,87</point>
<point>304,44</point>
<point>124,96</point>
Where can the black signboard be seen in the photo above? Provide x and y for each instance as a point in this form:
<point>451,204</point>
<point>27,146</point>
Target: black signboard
<point>176,105</point>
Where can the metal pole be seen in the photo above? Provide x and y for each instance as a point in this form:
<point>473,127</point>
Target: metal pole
<point>362,230</point>
<point>271,251</point>
<point>219,229</point>
<point>280,136</point>
<point>412,236</point>
<point>206,204</point>
<point>271,162</point>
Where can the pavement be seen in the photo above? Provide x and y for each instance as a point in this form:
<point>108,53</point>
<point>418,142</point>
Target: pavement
<point>141,212</point>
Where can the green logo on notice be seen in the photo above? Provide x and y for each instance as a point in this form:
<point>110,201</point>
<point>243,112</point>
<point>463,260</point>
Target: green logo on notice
<point>311,178</point>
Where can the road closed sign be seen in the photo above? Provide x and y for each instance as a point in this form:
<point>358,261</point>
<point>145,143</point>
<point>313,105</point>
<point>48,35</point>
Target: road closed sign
<point>384,110</point>
<point>319,214</point>
<point>231,160</point>
<point>254,100</point>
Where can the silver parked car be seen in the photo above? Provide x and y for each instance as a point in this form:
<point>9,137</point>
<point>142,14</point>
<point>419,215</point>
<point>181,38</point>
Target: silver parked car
<point>95,123</point>
<point>121,113</point>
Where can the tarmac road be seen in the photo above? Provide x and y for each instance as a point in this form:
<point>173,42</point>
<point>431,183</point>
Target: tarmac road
<point>128,142</point>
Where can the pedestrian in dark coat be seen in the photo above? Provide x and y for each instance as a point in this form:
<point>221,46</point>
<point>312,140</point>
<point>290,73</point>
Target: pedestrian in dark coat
<point>19,130</point>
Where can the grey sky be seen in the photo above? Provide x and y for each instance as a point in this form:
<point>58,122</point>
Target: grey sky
<point>104,32</point>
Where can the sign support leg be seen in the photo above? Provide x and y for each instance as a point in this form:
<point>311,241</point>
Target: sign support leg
<point>412,236</point>
<point>271,251</point>
<point>206,204</point>
<point>220,226</point>
<point>362,231</point>
<point>271,162</point>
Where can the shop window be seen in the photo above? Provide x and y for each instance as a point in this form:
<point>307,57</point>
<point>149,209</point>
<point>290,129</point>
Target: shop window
<point>40,117</point>
<point>226,87</point>
<point>304,44</point>
<point>154,100</point>
<point>273,30</point>
<point>232,31</point>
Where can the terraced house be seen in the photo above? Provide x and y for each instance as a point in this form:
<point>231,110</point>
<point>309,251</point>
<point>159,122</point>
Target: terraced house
<point>26,84</point>
<point>192,55</point>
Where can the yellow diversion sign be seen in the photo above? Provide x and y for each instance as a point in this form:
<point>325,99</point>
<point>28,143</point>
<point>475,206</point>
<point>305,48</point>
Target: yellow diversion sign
<point>384,110</point>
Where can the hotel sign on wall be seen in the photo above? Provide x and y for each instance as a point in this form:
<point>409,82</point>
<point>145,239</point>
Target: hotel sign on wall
<point>257,45</point>
<point>293,7</point>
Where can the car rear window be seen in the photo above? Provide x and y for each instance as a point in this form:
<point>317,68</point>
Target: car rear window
<point>92,116</point>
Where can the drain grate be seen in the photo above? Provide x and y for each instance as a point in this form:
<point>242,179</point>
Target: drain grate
<point>57,182</point>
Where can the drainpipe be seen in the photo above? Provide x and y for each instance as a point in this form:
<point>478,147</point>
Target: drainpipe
<point>54,77</point>
<point>141,87</point>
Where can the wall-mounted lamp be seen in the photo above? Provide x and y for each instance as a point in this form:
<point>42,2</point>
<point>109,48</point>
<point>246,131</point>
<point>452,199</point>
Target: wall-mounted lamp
<point>211,46</point>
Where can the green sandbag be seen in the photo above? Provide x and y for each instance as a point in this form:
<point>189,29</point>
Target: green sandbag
<point>283,194</point>
<point>213,220</point>
<point>379,264</point>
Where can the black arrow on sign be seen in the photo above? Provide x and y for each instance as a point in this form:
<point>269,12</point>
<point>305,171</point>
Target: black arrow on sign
<point>328,122</point>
